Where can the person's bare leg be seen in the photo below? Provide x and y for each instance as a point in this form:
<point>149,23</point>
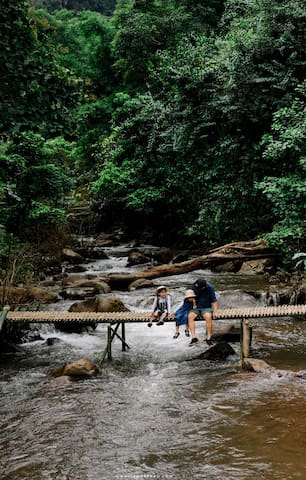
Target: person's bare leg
<point>162,318</point>
<point>177,331</point>
<point>208,319</point>
<point>154,316</point>
<point>191,323</point>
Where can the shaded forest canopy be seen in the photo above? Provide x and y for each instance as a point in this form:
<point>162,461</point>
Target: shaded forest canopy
<point>105,7</point>
<point>179,118</point>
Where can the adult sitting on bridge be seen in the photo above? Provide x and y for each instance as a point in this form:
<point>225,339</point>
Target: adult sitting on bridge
<point>207,307</point>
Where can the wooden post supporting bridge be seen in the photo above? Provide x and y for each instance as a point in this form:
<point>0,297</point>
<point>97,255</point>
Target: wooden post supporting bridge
<point>115,319</point>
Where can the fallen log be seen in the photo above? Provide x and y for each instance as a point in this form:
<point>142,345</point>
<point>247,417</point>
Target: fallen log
<point>121,280</point>
<point>257,246</point>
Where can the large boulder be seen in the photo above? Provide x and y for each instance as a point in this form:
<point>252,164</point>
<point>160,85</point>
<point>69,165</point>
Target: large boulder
<point>97,284</point>
<point>255,266</point>
<point>87,288</point>
<point>218,352</point>
<point>71,256</point>
<point>137,258</point>
<point>162,256</point>
<point>94,304</point>
<point>105,240</point>
<point>81,368</point>
<point>26,295</point>
<point>99,304</point>
<point>42,295</point>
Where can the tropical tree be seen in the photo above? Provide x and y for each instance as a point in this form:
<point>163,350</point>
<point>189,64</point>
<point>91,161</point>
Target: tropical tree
<point>145,27</point>
<point>105,7</point>
<point>191,144</point>
<point>286,192</point>
<point>33,186</point>
<point>36,92</point>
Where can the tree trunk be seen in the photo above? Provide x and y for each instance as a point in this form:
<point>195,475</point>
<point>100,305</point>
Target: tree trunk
<point>250,251</point>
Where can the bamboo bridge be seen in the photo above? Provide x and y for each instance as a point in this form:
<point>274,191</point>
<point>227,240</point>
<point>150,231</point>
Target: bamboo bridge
<point>115,319</point>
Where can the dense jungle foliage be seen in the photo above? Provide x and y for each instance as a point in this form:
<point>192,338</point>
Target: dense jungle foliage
<point>185,119</point>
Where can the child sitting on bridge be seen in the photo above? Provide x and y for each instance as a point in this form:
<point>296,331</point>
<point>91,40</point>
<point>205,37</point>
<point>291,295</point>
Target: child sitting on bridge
<point>181,314</point>
<point>161,308</point>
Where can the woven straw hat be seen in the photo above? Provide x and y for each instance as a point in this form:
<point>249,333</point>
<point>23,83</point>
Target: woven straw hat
<point>190,294</point>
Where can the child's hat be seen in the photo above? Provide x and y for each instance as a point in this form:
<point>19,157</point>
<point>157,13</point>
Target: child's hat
<point>162,287</point>
<point>189,294</point>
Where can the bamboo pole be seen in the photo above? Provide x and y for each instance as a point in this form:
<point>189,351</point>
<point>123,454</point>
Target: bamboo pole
<point>123,336</point>
<point>109,342</point>
<point>246,338</point>
<point>3,315</point>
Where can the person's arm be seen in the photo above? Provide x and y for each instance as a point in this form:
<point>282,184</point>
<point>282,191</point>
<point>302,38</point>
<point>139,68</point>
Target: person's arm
<point>168,305</point>
<point>215,309</point>
<point>214,302</point>
<point>154,305</point>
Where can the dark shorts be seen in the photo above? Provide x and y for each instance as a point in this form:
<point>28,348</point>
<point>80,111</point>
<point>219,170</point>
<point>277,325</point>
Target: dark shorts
<point>160,312</point>
<point>200,311</point>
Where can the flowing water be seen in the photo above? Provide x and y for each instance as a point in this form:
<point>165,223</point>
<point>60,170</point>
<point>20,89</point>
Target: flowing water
<point>157,412</point>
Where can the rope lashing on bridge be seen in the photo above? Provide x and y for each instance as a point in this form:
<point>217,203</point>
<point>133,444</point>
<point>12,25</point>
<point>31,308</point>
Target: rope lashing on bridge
<point>138,317</point>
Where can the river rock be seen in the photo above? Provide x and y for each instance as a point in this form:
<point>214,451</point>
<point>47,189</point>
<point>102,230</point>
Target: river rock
<point>31,336</point>
<point>260,366</point>
<point>162,256</point>
<point>99,285</point>
<point>76,279</point>
<point>78,369</point>
<point>233,267</point>
<point>99,304</point>
<point>71,256</point>
<point>137,258</point>
<point>255,365</point>
<point>104,240</point>
<point>80,288</point>
<point>140,283</point>
<point>255,266</point>
<point>26,295</point>
<point>220,351</point>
